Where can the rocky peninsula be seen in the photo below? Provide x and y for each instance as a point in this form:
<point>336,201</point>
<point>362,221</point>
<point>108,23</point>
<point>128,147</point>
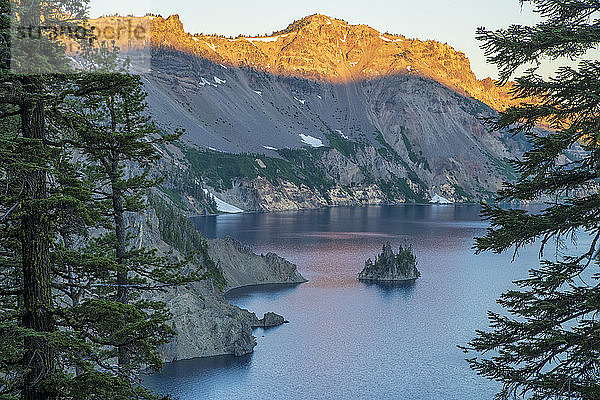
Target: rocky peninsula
<point>391,267</point>
<point>205,323</point>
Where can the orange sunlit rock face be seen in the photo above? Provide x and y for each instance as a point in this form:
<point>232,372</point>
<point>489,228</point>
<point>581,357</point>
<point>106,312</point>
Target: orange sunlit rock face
<point>327,49</point>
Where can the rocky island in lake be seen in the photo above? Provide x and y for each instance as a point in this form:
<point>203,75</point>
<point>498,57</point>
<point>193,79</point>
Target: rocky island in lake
<point>389,267</point>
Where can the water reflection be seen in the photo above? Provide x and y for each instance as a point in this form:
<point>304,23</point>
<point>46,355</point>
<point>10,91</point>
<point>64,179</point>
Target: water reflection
<point>356,219</point>
<point>182,378</point>
<point>405,288</point>
<point>194,368</point>
<point>272,291</point>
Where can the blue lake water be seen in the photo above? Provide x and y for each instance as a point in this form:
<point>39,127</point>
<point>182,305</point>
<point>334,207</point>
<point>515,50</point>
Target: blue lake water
<point>347,339</point>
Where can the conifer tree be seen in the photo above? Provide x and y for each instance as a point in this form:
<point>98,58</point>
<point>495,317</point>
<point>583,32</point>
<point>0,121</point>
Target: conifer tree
<point>120,145</point>
<point>546,343</point>
<point>73,321</point>
<point>28,325</point>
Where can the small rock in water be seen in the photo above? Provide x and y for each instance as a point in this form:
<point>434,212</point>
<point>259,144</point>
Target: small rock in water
<point>391,267</point>
<point>270,320</point>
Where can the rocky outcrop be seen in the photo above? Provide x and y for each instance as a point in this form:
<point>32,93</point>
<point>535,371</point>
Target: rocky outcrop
<point>389,267</point>
<point>261,194</point>
<point>242,267</point>
<point>207,325</point>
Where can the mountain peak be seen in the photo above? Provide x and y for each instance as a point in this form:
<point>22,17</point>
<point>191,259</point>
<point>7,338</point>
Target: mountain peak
<point>311,20</point>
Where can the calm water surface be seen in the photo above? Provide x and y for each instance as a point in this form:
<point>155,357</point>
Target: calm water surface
<point>347,339</point>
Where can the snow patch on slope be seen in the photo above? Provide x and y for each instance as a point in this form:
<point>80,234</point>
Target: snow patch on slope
<point>390,40</point>
<point>223,206</point>
<point>437,199</point>
<point>212,46</point>
<point>264,39</point>
<point>341,134</point>
<point>260,163</point>
<point>203,82</point>
<point>311,140</point>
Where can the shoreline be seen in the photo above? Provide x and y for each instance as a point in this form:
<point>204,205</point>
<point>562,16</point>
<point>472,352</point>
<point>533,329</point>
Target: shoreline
<point>360,206</point>
<point>258,286</point>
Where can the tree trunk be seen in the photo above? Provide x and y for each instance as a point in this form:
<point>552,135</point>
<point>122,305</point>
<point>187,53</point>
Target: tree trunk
<point>120,247</point>
<point>39,358</point>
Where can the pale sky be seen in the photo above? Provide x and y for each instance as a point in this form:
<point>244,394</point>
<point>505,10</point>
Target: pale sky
<point>447,21</point>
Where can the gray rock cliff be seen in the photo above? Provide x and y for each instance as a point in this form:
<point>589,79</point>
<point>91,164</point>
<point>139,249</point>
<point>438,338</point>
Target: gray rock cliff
<point>241,267</point>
